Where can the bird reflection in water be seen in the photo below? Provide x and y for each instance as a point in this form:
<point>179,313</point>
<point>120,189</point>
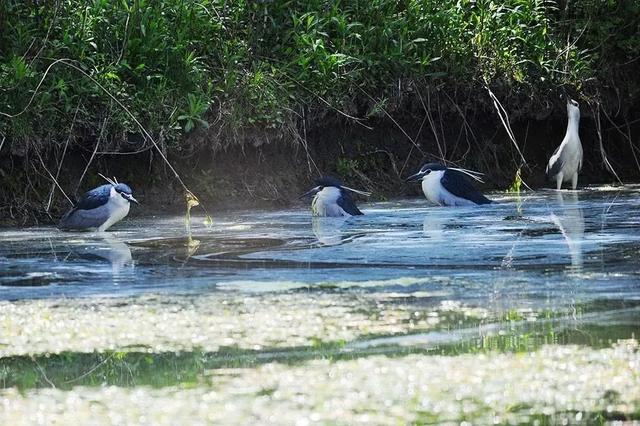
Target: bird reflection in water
<point>434,228</point>
<point>329,230</point>
<point>567,216</point>
<point>112,249</point>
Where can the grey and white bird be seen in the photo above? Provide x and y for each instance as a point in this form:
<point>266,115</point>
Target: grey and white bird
<point>449,186</point>
<point>566,162</point>
<point>99,208</point>
<point>332,199</point>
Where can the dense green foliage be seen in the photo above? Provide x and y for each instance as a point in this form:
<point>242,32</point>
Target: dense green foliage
<point>182,65</point>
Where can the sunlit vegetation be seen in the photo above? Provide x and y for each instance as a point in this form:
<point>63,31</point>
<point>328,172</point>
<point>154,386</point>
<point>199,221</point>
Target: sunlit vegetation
<point>513,388</point>
<point>240,67</point>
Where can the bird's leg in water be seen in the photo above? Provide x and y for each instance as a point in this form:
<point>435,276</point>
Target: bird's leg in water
<point>574,181</point>
<point>559,178</point>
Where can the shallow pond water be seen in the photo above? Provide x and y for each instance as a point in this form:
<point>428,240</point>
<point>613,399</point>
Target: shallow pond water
<point>270,296</point>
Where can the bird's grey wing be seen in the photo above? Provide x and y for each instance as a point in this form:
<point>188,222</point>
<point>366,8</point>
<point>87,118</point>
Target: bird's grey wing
<point>581,156</point>
<point>555,163</point>
<point>457,184</point>
<point>84,219</point>
<point>94,198</point>
<point>348,205</point>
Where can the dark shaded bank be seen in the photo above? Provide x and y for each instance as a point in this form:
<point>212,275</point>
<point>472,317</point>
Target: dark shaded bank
<point>376,154</point>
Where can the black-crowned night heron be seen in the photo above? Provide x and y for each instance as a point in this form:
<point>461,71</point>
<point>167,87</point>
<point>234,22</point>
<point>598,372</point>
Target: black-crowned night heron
<point>331,199</point>
<point>566,162</point>
<point>449,186</point>
<point>99,208</point>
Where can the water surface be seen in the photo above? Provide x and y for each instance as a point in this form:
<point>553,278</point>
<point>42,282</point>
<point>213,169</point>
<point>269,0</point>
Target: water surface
<point>402,285</point>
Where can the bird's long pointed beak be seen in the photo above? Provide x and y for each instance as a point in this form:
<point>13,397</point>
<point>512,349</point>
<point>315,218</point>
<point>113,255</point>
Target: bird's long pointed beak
<point>415,178</point>
<point>131,199</point>
<point>312,191</point>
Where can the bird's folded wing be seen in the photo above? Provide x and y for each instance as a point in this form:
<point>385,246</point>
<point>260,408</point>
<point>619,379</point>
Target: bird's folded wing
<point>83,219</point>
<point>580,163</point>
<point>555,163</point>
<point>348,205</point>
<point>457,184</point>
<point>94,198</point>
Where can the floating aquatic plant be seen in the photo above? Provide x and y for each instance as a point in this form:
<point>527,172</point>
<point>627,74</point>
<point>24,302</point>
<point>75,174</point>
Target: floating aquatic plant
<point>192,201</point>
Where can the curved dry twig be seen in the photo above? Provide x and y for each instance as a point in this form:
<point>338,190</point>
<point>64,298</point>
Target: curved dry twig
<point>603,153</point>
<point>504,118</point>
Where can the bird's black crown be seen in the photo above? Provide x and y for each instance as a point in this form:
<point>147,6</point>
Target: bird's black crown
<point>432,167</point>
<point>123,188</point>
<point>325,181</point>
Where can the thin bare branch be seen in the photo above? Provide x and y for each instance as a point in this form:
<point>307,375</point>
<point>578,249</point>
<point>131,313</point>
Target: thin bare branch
<point>91,370</point>
<point>504,118</point>
<point>429,117</point>
<point>603,153</point>
<point>72,64</point>
<point>64,152</point>
<point>44,374</point>
<point>93,154</point>
<point>327,103</point>
<point>53,179</point>
<point>35,92</point>
<point>394,121</point>
<point>624,135</point>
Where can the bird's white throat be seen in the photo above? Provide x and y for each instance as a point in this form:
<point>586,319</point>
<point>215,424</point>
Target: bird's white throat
<point>325,203</point>
<point>118,208</point>
<point>117,199</point>
<point>324,199</point>
<point>573,112</point>
<point>432,187</point>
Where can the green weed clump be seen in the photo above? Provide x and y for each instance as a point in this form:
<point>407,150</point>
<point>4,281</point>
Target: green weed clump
<point>182,66</point>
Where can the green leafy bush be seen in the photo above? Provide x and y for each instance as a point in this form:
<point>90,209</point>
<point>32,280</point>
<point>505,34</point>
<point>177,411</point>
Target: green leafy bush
<point>184,65</point>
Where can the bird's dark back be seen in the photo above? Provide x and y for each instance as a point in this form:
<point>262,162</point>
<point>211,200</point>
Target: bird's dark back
<point>94,198</point>
<point>459,185</point>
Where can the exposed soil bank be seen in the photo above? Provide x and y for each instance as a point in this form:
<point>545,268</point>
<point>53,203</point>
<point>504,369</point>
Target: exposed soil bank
<point>272,174</point>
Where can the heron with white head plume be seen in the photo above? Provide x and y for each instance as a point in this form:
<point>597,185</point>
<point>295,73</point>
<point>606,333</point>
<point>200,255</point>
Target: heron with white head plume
<point>449,186</point>
<point>566,162</point>
<point>332,199</point>
<point>99,208</point>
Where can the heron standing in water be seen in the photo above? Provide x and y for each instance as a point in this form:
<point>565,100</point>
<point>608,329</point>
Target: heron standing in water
<point>99,208</point>
<point>566,162</point>
<point>332,199</point>
<point>449,186</point>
